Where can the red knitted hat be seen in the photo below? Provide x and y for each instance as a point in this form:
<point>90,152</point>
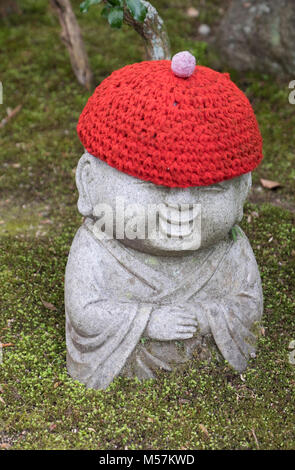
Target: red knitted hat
<point>176,126</point>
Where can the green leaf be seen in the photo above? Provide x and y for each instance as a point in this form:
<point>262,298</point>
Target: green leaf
<point>105,12</point>
<point>239,231</point>
<point>115,17</point>
<point>84,6</point>
<point>114,3</point>
<point>234,234</point>
<point>137,9</point>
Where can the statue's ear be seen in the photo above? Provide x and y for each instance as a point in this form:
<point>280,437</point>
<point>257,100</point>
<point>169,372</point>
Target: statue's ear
<point>83,179</point>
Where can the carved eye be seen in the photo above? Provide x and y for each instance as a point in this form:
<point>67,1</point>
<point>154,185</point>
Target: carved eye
<point>216,188</point>
<point>145,183</point>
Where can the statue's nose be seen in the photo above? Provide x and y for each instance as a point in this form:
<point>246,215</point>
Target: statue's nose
<point>179,196</point>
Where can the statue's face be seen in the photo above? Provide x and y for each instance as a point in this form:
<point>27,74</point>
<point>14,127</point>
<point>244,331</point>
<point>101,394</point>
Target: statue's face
<point>189,218</point>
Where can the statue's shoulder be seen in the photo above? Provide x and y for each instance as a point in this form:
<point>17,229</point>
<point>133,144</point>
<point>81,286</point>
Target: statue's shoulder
<point>84,248</point>
<point>238,270</point>
<point>241,258</point>
<point>241,243</point>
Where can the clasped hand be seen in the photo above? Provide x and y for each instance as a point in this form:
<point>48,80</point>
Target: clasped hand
<point>169,323</point>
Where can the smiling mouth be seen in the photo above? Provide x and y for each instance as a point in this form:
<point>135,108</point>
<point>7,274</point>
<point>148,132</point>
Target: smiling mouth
<point>177,220</point>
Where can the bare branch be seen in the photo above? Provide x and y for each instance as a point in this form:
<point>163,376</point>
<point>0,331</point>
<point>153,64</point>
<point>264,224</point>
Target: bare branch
<point>72,38</point>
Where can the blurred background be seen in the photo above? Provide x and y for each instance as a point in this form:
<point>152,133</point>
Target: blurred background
<point>253,40</point>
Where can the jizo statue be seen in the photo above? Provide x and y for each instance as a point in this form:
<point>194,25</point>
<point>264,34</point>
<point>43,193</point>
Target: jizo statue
<point>154,275</point>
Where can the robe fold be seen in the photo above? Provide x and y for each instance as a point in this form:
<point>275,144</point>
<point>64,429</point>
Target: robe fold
<point>111,292</point>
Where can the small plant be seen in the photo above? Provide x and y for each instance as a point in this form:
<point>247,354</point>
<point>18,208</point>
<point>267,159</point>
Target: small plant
<point>235,232</point>
<point>113,10</point>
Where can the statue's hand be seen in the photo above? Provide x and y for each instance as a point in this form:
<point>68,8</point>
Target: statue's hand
<point>169,323</point>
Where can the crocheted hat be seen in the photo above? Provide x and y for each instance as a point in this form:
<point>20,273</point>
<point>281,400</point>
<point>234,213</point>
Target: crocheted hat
<point>172,123</point>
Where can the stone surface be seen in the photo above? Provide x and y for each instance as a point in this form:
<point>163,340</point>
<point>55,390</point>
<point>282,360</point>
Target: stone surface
<point>135,306</point>
<point>259,35</point>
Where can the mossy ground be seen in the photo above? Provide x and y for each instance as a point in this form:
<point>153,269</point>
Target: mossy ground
<point>209,407</point>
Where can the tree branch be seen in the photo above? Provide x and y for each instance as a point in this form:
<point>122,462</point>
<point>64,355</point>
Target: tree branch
<point>72,38</point>
<point>153,32</point>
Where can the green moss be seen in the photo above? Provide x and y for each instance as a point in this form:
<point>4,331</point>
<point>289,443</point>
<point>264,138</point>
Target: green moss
<point>44,407</point>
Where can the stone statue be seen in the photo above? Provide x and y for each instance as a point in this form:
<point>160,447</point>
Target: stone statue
<point>155,300</point>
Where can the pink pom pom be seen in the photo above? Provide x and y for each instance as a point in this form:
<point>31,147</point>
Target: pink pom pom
<point>183,64</point>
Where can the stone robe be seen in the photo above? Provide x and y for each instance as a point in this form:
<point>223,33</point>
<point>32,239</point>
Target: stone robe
<point>111,292</point>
